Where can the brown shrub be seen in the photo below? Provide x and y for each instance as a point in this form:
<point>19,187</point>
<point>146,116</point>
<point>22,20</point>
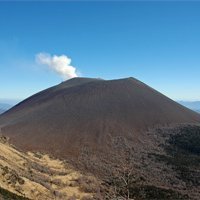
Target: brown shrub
<point>57,182</point>
<point>87,197</point>
<point>88,184</point>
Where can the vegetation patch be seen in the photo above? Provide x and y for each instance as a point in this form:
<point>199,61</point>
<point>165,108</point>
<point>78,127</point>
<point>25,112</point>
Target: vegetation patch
<point>146,192</point>
<point>187,141</point>
<point>183,154</point>
<point>6,195</point>
<point>150,192</point>
<point>130,187</point>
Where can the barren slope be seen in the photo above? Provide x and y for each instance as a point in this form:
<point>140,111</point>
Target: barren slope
<point>88,112</point>
<point>118,130</point>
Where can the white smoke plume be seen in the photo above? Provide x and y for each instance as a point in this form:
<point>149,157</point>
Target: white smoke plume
<point>59,64</point>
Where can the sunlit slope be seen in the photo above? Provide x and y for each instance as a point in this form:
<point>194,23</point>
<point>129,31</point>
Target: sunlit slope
<point>38,177</point>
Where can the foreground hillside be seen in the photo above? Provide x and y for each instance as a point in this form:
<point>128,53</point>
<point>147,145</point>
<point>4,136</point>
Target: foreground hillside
<point>39,177</point>
<point>167,170</point>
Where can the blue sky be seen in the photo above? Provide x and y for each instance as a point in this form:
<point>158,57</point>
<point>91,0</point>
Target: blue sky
<point>156,42</point>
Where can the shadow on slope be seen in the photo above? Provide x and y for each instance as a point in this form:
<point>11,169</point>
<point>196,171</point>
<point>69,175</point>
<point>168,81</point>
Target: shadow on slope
<point>6,195</point>
<point>183,154</point>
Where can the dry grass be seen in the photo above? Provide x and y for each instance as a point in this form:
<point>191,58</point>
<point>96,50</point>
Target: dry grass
<point>40,177</point>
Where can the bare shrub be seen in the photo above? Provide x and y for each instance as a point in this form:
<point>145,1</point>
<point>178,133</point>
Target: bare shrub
<point>88,184</point>
<point>38,155</point>
<point>40,168</point>
<point>87,197</point>
<point>57,182</point>
<point>74,197</point>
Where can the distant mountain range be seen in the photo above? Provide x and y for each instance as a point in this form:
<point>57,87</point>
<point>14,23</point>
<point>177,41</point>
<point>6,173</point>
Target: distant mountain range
<point>193,105</point>
<point>2,111</point>
<point>4,107</point>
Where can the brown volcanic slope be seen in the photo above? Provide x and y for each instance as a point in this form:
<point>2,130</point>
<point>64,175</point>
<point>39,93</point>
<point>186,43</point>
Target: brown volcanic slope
<point>88,112</point>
